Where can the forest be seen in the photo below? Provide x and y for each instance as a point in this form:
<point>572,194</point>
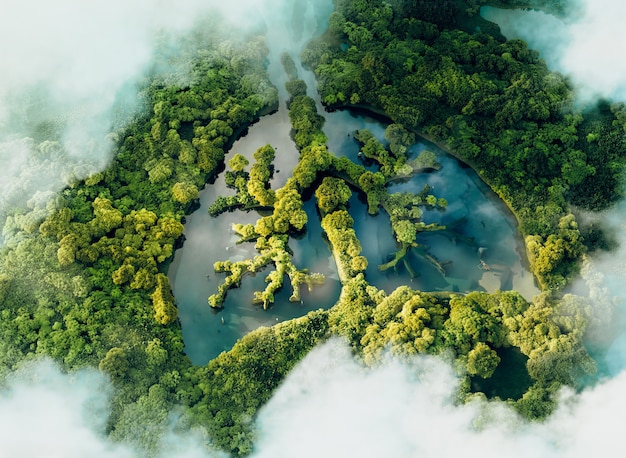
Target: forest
<point>87,284</point>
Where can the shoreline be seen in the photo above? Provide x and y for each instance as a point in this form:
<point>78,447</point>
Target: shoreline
<point>483,184</point>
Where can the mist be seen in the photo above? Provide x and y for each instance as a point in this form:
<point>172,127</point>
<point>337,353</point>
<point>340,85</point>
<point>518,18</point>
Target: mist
<point>586,46</point>
<point>70,76</point>
<point>66,66</point>
<point>331,406</point>
<point>47,413</point>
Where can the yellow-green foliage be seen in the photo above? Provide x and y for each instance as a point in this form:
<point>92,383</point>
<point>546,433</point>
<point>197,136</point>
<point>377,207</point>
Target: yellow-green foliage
<point>482,360</point>
<point>165,311</point>
<point>332,193</point>
<point>184,193</point>
<point>260,174</point>
<point>553,258</point>
<point>344,243</point>
<point>272,250</point>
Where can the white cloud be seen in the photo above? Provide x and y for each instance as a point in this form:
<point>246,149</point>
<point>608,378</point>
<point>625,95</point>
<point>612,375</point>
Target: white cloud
<point>331,406</point>
<point>50,414</point>
<point>44,413</point>
<point>593,55</point>
<point>65,63</point>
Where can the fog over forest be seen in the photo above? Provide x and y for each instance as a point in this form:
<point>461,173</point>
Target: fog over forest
<point>85,62</point>
<point>586,46</point>
<point>70,76</point>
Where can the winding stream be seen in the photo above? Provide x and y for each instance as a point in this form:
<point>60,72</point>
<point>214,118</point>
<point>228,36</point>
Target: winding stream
<point>207,333</point>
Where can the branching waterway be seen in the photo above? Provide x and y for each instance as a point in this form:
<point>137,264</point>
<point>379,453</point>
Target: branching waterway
<point>480,251</point>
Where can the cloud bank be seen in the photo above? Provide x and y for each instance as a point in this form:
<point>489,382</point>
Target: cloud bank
<point>47,413</point>
<point>331,406</point>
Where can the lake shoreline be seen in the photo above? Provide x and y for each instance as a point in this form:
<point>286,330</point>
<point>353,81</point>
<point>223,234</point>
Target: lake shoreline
<point>495,198</point>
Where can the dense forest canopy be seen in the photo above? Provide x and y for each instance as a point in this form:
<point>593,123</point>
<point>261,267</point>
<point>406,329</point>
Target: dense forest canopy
<point>86,284</point>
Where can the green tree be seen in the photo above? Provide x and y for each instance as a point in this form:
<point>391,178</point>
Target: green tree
<point>238,163</point>
<point>184,192</point>
<point>332,193</point>
<point>115,363</point>
<point>482,360</point>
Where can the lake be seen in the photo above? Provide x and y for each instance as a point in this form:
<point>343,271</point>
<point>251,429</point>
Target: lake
<point>207,332</point>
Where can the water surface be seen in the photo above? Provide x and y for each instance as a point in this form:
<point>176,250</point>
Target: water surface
<point>206,332</point>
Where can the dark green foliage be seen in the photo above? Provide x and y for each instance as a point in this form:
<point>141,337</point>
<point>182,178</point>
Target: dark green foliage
<point>296,88</point>
<point>492,102</point>
<point>602,139</point>
<point>442,13</point>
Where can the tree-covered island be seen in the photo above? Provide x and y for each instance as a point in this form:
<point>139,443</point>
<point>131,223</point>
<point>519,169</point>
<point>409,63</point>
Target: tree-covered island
<point>86,283</point>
